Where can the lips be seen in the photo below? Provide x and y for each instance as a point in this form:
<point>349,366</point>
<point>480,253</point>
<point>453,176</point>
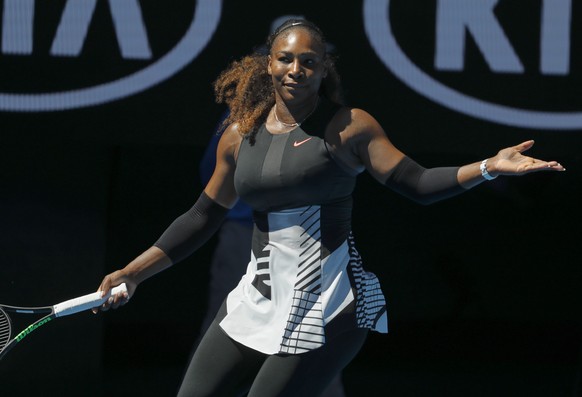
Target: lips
<point>293,85</point>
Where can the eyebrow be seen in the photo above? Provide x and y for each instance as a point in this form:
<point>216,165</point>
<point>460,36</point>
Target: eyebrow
<point>282,52</point>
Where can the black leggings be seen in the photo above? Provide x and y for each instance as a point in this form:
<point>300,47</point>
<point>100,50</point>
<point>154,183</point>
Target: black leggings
<point>222,367</point>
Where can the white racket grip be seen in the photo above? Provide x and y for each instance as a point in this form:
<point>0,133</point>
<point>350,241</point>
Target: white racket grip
<point>85,302</point>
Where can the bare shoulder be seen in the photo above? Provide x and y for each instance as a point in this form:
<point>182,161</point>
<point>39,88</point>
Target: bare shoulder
<point>356,124</point>
<point>360,140</point>
<point>364,122</point>
<point>350,130</point>
<point>230,141</point>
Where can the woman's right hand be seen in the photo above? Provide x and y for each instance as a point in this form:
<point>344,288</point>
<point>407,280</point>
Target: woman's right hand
<point>113,280</point>
<point>150,262</point>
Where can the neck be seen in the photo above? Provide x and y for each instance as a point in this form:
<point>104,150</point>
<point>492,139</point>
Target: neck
<point>288,117</point>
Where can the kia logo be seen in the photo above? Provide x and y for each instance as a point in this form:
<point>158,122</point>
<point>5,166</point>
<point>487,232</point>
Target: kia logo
<point>454,21</point>
<point>70,35</point>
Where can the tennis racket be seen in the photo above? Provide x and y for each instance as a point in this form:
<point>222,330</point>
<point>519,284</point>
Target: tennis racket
<point>9,339</point>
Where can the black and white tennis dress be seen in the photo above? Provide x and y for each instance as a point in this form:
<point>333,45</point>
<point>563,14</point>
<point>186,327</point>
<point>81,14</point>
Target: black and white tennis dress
<point>305,281</point>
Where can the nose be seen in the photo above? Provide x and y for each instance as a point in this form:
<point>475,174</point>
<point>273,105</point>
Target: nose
<point>296,71</point>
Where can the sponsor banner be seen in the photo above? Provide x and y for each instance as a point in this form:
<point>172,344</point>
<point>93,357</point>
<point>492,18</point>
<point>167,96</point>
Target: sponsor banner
<point>509,63</point>
<point>120,45</point>
<point>505,62</point>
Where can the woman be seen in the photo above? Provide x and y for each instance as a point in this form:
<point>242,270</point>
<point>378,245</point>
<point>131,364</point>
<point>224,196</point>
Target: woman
<point>292,151</point>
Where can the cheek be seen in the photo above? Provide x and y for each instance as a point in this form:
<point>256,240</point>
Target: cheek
<point>277,73</point>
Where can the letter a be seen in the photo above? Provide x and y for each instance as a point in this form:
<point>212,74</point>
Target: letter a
<point>127,20</point>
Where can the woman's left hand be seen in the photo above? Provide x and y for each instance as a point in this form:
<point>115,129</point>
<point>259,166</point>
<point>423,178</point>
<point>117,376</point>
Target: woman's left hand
<point>511,161</point>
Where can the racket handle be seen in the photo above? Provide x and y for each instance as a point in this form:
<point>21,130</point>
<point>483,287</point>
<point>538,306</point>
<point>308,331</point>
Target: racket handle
<point>85,302</point>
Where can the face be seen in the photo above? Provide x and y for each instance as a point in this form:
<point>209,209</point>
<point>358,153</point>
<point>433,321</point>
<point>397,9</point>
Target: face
<point>296,65</point>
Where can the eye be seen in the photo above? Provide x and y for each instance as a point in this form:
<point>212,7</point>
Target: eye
<point>310,61</point>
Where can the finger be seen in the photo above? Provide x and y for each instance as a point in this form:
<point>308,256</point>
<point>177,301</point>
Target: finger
<point>119,299</point>
<point>522,147</point>
<point>554,166</point>
<point>541,165</point>
<point>105,286</point>
<point>103,289</point>
<point>107,304</point>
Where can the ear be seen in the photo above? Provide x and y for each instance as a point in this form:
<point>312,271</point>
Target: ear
<point>269,66</point>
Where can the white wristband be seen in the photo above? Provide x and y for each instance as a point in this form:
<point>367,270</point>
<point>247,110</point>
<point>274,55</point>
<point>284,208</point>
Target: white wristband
<point>483,168</point>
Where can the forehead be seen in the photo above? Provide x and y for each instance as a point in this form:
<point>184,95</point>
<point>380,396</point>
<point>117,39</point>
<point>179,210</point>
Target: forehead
<point>298,39</point>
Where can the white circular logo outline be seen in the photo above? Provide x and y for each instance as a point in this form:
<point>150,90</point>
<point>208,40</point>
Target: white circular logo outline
<point>206,19</point>
<point>377,18</point>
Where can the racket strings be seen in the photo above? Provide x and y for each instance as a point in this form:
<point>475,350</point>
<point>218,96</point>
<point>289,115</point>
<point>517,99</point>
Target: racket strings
<point>5,329</point>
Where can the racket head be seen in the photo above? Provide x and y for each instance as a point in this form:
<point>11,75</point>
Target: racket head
<point>5,329</point>
<point>9,326</point>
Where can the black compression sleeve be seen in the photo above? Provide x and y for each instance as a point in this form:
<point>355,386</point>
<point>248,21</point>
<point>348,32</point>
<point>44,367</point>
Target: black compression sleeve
<point>425,186</point>
<point>191,229</point>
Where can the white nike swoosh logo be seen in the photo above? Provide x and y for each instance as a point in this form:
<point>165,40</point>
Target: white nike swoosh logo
<point>295,144</point>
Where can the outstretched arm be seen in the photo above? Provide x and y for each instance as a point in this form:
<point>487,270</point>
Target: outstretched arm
<point>393,168</point>
<point>189,231</point>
